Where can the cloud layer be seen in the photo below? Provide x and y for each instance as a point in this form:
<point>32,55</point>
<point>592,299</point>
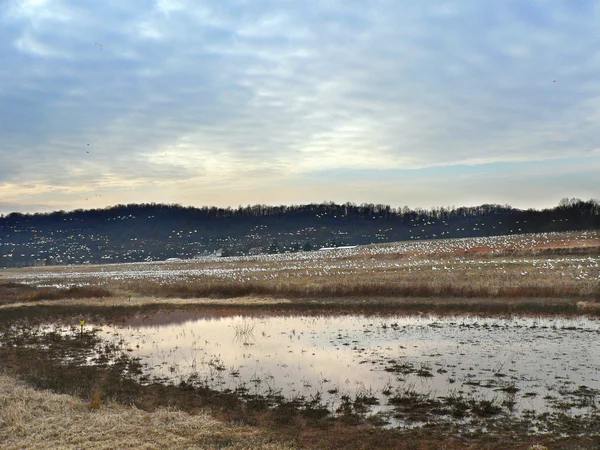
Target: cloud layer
<point>290,101</point>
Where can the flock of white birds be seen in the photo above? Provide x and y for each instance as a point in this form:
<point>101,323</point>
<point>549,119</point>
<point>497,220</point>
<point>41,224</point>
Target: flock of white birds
<point>434,255</point>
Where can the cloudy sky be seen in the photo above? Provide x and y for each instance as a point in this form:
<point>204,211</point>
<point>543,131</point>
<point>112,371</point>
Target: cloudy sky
<point>230,102</point>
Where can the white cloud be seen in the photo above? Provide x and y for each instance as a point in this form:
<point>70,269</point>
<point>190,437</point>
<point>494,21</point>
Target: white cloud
<point>168,6</point>
<point>236,90</point>
<point>149,31</point>
<point>29,44</point>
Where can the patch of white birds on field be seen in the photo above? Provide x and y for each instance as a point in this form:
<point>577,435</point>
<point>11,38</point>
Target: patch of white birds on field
<point>439,255</point>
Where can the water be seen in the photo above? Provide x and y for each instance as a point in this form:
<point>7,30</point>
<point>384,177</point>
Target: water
<point>523,364</point>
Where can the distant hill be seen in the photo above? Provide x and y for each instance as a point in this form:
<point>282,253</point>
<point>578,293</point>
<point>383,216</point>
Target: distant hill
<point>140,232</point>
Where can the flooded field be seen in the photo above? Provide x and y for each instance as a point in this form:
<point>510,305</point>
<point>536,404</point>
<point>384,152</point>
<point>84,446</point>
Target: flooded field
<point>400,369</point>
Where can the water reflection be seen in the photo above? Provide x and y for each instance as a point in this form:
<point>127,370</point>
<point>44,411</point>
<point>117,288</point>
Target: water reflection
<point>522,363</point>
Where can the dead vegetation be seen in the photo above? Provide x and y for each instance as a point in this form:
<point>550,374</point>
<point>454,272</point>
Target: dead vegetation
<point>546,266</point>
<point>449,284</point>
<point>30,418</point>
<point>12,292</point>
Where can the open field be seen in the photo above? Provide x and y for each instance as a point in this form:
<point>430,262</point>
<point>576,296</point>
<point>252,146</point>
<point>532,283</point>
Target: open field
<point>548,266</point>
<point>446,328</point>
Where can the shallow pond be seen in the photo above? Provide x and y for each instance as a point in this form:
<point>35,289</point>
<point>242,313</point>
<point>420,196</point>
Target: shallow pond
<point>519,364</point>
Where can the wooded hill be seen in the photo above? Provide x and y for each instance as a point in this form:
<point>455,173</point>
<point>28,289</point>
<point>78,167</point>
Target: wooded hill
<point>140,232</point>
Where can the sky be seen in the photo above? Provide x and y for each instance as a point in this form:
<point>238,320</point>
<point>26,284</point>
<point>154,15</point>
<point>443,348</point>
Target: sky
<point>236,102</point>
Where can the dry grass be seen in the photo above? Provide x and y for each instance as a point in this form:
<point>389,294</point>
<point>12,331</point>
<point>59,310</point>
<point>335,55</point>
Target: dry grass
<point>40,419</point>
<point>384,283</point>
<point>588,306</point>
<point>11,292</point>
<point>145,300</point>
<point>43,420</point>
<point>539,268</point>
<point>117,307</point>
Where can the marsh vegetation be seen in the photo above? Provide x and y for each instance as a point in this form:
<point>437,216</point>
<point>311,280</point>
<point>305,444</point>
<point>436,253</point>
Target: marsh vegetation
<point>541,266</point>
<point>353,347</point>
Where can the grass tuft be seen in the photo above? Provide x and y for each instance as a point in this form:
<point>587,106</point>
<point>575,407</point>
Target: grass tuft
<point>96,398</point>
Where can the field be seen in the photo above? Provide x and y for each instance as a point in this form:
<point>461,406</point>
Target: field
<point>406,345</point>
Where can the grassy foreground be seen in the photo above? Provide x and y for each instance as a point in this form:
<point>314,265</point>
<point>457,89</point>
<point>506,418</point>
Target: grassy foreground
<point>40,419</point>
<point>106,408</point>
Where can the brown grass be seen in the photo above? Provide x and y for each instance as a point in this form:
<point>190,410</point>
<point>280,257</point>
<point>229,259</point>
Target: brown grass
<point>141,301</point>
<point>40,419</point>
<point>11,292</point>
<point>470,268</point>
<point>439,273</point>
<point>589,306</point>
<point>96,398</point>
<point>457,284</point>
<point>35,419</point>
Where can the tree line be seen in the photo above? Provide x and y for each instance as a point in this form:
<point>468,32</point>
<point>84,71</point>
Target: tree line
<point>347,211</point>
<point>142,232</point>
